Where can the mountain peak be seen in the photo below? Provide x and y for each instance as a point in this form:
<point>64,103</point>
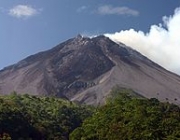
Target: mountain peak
<point>86,69</point>
<point>79,36</point>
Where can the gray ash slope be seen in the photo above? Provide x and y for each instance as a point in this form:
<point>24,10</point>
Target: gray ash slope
<point>86,69</point>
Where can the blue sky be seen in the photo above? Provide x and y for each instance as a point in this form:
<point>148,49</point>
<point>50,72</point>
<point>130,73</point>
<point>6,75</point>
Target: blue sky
<point>30,26</point>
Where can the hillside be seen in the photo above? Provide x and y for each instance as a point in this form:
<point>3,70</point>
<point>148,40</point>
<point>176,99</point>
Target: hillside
<point>39,118</point>
<point>85,70</point>
<point>128,118</point>
<point>124,117</point>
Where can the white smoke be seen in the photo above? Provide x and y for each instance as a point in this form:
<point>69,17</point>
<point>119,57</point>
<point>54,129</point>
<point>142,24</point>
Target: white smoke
<point>161,44</point>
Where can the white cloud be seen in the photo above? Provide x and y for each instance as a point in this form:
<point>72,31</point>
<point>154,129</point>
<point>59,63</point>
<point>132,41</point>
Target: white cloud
<point>110,10</point>
<point>23,11</point>
<point>82,8</point>
<point>161,44</point>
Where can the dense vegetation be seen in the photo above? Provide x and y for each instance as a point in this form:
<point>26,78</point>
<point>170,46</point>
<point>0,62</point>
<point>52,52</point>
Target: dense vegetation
<point>124,117</point>
<point>129,118</point>
<point>31,117</point>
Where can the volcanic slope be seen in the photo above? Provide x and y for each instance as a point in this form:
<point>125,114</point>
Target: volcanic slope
<point>86,69</point>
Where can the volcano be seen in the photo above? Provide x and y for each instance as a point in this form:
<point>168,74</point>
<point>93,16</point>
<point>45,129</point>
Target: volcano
<point>86,69</point>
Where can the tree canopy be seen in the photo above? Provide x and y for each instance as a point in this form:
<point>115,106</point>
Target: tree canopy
<point>32,117</point>
<point>126,117</point>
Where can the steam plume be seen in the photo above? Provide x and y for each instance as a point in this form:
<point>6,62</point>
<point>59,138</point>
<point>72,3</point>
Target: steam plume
<point>161,44</point>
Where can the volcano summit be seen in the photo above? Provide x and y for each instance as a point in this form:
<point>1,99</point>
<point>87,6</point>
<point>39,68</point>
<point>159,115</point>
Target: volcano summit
<point>86,69</point>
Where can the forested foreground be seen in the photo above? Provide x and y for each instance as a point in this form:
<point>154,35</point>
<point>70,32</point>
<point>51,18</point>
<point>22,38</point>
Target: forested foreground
<point>130,118</point>
<point>124,117</point>
<point>38,118</point>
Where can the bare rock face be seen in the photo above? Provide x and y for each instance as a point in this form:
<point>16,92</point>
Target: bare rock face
<point>86,69</point>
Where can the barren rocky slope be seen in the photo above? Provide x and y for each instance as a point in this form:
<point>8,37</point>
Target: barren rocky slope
<point>86,69</point>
